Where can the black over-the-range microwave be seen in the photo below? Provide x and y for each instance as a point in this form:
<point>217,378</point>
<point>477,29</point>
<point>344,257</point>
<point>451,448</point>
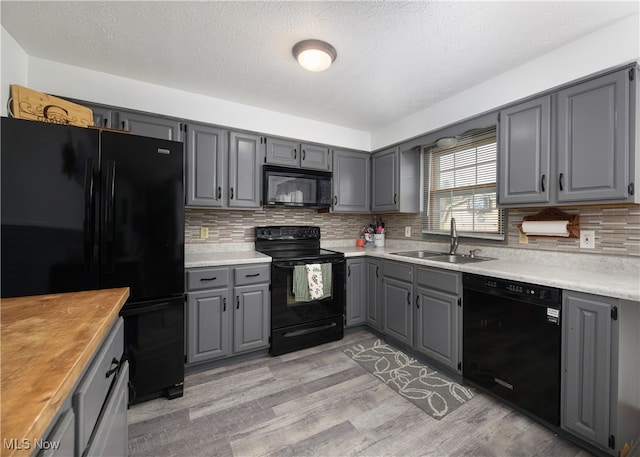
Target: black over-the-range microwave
<point>285,186</point>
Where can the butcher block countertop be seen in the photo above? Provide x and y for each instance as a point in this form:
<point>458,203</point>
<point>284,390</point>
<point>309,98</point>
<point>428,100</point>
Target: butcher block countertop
<point>47,342</point>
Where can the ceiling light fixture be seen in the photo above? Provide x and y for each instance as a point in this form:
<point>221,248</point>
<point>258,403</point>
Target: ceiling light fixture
<point>314,55</point>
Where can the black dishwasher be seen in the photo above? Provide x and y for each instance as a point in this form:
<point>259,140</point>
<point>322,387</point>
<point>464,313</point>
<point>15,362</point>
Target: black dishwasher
<point>511,342</point>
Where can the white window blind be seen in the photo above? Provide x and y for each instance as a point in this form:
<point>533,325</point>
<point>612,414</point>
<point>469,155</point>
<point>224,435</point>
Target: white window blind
<point>460,182</point>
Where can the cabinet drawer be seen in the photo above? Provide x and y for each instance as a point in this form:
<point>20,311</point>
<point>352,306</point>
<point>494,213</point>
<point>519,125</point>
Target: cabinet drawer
<point>94,387</point>
<point>396,270</point>
<point>252,274</point>
<point>433,278</point>
<point>207,278</point>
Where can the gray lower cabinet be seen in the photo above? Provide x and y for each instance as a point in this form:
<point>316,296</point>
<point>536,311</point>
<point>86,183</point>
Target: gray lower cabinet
<point>93,420</point>
<point>228,311</point>
<point>252,313</point>
<point>397,301</point>
<point>351,181</point>
<point>208,325</point>
<point>290,153</point>
<point>111,434</point>
<point>438,300</point>
<point>373,294</point>
<point>356,283</point>
<point>587,367</point>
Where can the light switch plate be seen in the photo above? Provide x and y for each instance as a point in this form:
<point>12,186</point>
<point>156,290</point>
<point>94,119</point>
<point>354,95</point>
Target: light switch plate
<point>407,232</point>
<point>587,239</point>
<point>204,233</point>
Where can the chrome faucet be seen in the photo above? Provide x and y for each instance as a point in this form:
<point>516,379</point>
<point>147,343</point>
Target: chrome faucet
<point>454,237</point>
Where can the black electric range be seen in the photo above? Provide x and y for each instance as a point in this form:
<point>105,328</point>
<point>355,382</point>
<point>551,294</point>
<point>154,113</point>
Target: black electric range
<point>297,320</point>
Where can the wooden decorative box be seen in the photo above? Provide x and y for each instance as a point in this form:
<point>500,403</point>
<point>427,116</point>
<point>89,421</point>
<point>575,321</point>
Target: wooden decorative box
<point>26,103</point>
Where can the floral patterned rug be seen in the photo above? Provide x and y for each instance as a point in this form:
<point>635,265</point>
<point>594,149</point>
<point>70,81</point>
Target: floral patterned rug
<point>434,393</point>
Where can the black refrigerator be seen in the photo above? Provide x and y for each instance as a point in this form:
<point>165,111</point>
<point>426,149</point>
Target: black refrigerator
<point>85,209</point>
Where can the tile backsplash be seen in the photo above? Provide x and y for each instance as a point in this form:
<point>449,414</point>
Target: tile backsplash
<point>617,227</point>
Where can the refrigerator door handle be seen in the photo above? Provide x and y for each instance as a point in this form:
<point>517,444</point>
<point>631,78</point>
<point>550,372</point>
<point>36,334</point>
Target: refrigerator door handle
<point>89,216</point>
<point>110,214</point>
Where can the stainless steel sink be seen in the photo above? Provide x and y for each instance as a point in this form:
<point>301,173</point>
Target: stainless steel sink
<point>419,254</point>
<point>459,258</point>
<point>443,256</point>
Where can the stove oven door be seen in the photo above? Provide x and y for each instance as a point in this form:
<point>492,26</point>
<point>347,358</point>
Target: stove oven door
<point>298,320</point>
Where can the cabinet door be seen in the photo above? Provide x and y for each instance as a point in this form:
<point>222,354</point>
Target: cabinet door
<point>208,325</point>
<point>102,117</point>
<point>437,327</point>
<point>206,165</point>
<point>315,157</point>
<point>111,433</point>
<point>524,152</point>
<point>283,152</point>
<point>385,180</point>
<point>355,292</point>
<point>586,366</point>
<point>246,154</point>
<point>593,139</point>
<point>151,126</point>
<point>351,186</point>
<point>398,310</point>
<point>251,317</point>
<point>374,293</point>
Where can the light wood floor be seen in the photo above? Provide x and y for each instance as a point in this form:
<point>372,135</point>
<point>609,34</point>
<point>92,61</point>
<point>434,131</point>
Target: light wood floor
<point>319,402</point>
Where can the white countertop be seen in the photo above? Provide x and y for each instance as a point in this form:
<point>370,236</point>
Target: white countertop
<point>604,276</point>
<point>609,283</point>
<point>222,258</point>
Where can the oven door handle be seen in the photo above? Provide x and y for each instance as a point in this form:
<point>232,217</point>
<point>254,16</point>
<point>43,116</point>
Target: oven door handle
<point>284,265</point>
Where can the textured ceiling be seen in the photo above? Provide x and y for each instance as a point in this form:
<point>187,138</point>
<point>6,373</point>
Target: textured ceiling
<point>394,58</point>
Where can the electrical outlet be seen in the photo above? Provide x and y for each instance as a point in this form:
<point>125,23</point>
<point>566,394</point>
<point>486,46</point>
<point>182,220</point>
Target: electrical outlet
<point>407,232</point>
<point>204,233</point>
<point>587,239</point>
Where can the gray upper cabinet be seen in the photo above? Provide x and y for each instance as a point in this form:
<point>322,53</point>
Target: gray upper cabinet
<point>525,152</point>
<point>315,157</point>
<point>206,166</point>
<point>351,181</point>
<point>396,180</point>
<point>246,155</point>
<point>150,125</point>
<point>291,153</point>
<point>356,305</point>
<point>384,169</point>
<point>283,152</point>
<point>102,117</point>
<point>224,169</point>
<point>593,140</point>
<point>586,359</point>
<point>576,145</point>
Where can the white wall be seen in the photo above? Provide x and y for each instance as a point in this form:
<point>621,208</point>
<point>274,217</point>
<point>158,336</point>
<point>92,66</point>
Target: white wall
<point>14,67</point>
<point>615,45</point>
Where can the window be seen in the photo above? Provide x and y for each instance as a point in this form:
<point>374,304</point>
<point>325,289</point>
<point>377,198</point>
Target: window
<point>460,182</point>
